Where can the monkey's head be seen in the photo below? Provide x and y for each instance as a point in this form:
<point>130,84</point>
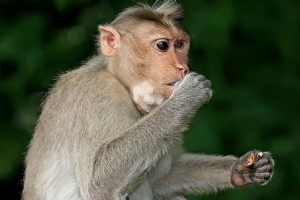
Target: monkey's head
<point>147,50</point>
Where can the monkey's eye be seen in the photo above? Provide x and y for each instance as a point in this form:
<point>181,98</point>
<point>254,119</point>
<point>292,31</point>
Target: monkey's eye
<point>162,45</point>
<point>178,44</point>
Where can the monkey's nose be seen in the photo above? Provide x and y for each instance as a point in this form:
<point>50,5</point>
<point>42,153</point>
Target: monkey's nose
<point>184,70</point>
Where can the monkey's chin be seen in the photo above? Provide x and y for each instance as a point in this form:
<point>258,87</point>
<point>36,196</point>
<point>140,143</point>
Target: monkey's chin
<point>144,97</point>
<point>146,107</point>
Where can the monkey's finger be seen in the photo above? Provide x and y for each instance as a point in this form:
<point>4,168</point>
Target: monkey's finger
<point>261,162</point>
<point>206,84</point>
<point>191,74</point>
<point>259,180</point>
<point>263,175</point>
<point>201,77</point>
<point>265,168</point>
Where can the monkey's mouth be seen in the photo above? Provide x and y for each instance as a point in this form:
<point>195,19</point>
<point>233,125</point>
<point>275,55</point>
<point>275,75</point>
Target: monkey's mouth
<point>172,83</point>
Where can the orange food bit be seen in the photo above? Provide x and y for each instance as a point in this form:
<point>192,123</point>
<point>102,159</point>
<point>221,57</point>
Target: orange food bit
<point>251,160</point>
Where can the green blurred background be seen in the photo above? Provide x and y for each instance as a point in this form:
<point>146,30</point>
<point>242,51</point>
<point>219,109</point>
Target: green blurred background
<point>250,49</point>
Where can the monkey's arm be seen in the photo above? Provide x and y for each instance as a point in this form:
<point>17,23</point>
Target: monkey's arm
<point>201,174</point>
<point>125,157</point>
<point>197,174</point>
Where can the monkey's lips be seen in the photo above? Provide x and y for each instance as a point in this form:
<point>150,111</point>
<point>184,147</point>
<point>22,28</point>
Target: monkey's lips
<point>171,83</point>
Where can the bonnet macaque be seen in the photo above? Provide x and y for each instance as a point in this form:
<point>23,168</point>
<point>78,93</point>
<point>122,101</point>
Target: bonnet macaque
<point>112,129</point>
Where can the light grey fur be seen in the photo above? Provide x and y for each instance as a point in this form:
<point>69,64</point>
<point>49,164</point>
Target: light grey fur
<point>92,143</point>
<point>78,153</point>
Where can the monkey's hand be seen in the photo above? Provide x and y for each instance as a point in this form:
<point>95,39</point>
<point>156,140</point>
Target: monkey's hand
<point>254,167</point>
<point>191,93</point>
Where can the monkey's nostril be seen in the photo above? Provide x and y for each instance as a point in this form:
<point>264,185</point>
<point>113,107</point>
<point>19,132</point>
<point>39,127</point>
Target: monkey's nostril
<point>184,71</point>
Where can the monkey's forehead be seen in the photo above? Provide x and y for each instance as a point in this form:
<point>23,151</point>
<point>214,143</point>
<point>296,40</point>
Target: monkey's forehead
<point>152,30</point>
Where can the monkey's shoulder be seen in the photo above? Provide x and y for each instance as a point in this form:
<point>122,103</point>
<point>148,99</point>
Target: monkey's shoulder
<point>90,89</point>
<point>90,81</point>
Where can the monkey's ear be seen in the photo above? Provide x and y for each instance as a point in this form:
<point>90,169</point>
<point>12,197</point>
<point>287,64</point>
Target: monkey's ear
<point>109,40</point>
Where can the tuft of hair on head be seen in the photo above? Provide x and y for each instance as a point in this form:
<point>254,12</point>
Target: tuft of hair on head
<point>169,9</point>
<point>164,12</point>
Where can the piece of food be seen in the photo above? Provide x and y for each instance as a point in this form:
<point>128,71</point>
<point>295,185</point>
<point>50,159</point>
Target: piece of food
<point>251,160</point>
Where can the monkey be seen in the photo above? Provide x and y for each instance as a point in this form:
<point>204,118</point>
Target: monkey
<point>112,128</point>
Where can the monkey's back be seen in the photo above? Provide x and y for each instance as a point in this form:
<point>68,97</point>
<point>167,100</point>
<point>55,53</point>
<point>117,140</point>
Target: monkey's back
<point>81,101</point>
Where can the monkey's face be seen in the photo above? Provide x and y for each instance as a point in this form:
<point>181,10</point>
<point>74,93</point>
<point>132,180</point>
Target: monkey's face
<point>148,59</point>
<point>162,61</point>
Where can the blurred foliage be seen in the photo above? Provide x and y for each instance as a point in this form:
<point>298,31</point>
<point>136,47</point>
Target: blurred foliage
<point>249,49</point>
